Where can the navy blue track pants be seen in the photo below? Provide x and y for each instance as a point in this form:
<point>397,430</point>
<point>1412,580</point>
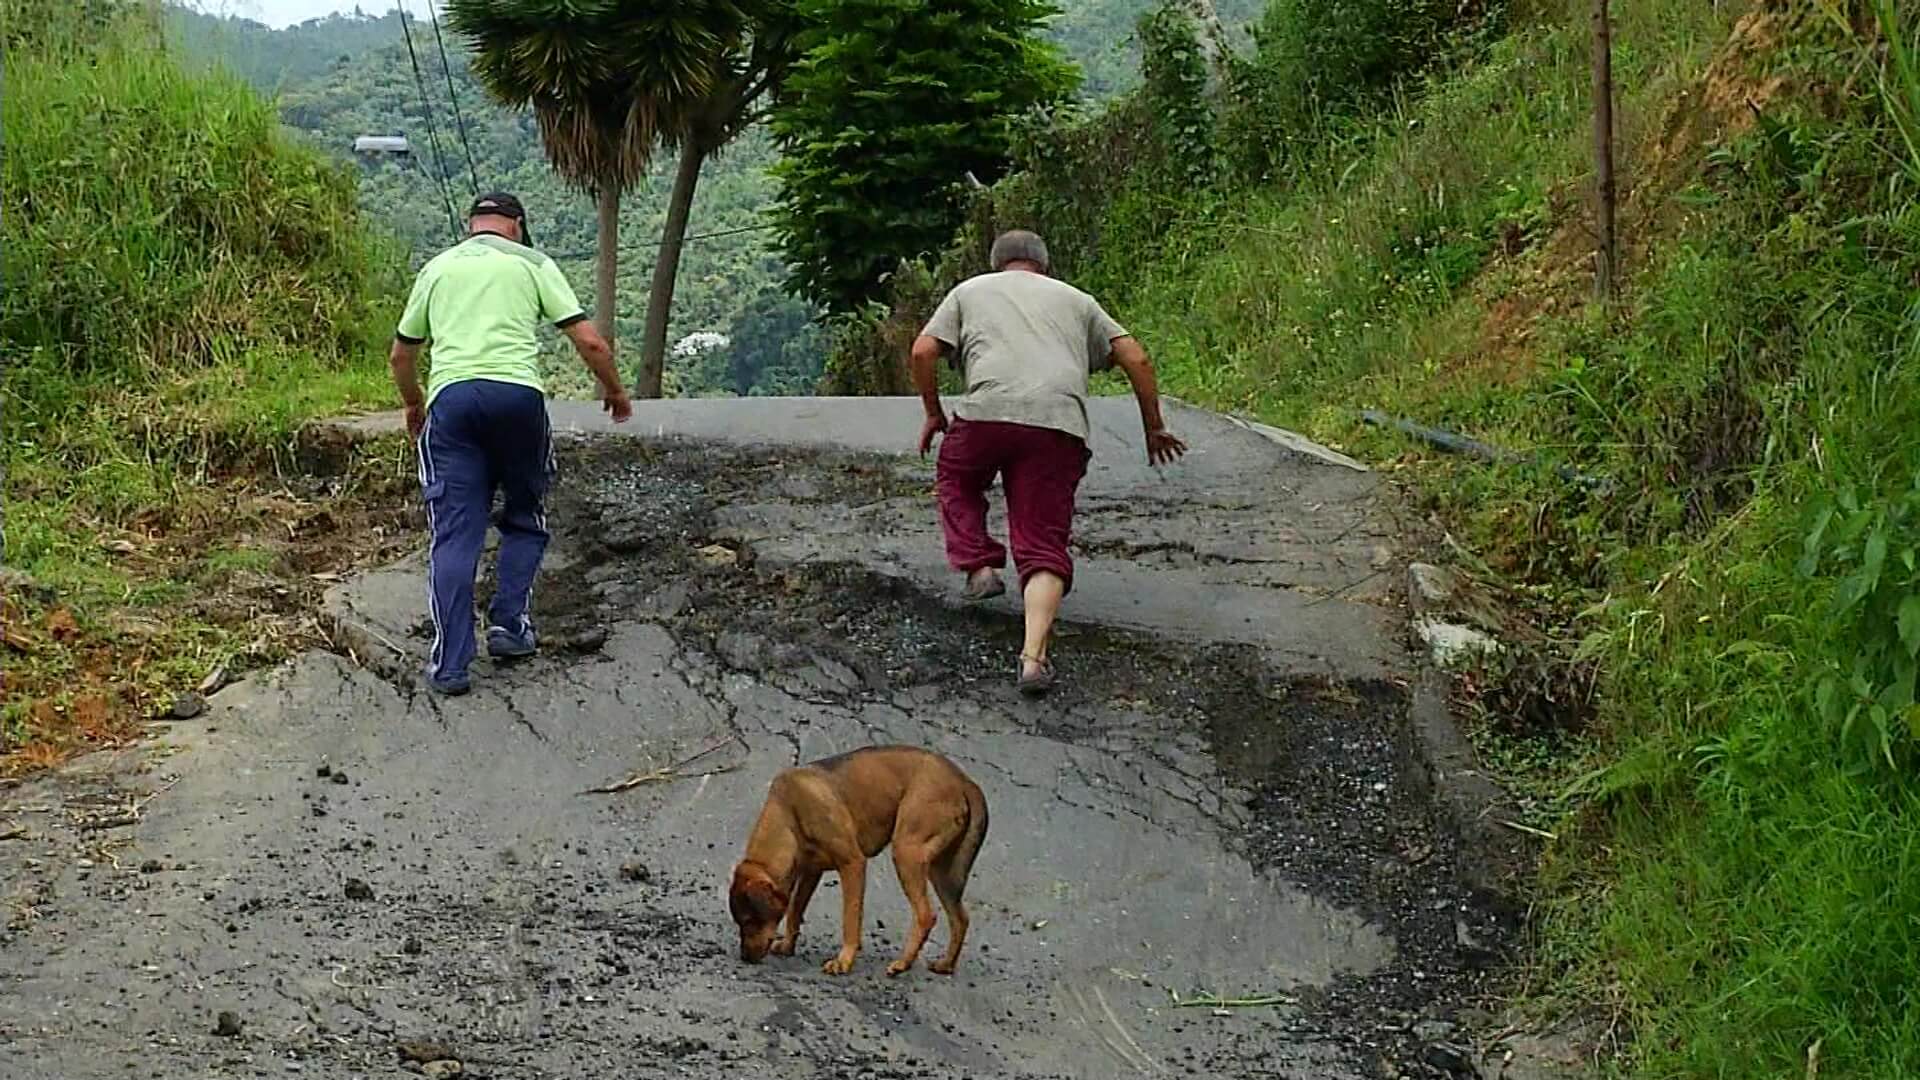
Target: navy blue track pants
<point>481,437</point>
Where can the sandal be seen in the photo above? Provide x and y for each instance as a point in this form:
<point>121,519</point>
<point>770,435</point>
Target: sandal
<point>984,588</point>
<point>1040,681</point>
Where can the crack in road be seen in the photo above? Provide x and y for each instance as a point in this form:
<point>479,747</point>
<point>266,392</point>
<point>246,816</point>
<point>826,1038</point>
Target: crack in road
<point>1181,814</point>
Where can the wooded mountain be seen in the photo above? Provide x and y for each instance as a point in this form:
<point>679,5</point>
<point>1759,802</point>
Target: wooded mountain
<point>343,76</point>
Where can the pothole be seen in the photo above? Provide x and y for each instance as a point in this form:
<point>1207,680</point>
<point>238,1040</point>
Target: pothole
<point>1304,778</point>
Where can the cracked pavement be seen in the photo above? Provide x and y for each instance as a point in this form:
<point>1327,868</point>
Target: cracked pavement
<point>1217,801</point>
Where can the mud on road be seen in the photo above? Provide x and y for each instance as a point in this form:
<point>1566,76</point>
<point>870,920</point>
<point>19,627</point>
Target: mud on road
<point>349,869</point>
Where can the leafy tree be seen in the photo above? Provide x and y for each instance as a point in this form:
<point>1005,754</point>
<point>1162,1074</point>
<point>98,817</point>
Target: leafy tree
<point>890,107</point>
<point>608,82</point>
<point>774,347</point>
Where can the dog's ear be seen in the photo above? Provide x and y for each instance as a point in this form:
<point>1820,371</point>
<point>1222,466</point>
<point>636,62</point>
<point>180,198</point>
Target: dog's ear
<point>752,897</point>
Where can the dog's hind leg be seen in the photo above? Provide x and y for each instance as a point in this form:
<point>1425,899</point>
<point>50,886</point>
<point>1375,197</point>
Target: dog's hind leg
<point>950,870</point>
<point>796,911</point>
<point>911,863</point>
<point>949,891</point>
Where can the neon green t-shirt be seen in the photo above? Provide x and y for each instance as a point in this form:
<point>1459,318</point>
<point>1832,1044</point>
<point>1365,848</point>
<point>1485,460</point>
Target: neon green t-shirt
<point>478,302</point>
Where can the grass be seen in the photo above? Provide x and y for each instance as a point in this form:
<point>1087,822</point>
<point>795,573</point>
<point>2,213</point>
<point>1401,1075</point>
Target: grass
<point>1736,869</point>
<point>186,288</point>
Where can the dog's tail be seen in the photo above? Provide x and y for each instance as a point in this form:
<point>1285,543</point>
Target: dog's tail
<point>953,870</point>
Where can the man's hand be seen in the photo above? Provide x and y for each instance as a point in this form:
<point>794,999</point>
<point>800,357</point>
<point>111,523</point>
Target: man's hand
<point>619,406</point>
<point>1163,447</point>
<point>416,421</point>
<point>936,424</point>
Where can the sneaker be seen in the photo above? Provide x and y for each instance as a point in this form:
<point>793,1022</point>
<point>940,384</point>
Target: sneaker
<point>451,685</point>
<point>504,644</point>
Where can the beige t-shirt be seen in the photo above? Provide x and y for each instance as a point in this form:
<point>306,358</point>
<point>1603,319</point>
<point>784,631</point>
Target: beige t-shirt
<point>1027,343</point>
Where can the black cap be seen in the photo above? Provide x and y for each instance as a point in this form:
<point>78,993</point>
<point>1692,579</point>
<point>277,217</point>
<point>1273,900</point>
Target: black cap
<point>505,205</point>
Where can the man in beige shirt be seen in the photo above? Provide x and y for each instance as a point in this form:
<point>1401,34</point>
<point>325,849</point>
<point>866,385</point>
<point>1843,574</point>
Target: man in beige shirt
<point>1027,343</point>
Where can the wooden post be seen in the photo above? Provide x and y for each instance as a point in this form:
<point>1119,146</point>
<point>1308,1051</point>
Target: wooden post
<point>1607,255</point>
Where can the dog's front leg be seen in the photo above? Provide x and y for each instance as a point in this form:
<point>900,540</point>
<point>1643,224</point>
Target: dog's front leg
<point>796,911</point>
<point>853,898</point>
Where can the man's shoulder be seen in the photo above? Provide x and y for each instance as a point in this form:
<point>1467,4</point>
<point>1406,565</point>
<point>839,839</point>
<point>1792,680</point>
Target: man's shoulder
<point>1018,282</point>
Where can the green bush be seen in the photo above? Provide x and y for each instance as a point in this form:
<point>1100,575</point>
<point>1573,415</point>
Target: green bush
<point>1315,61</point>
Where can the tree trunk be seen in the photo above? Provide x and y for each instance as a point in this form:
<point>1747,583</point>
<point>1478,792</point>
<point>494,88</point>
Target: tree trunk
<point>606,260</point>
<point>1607,254</point>
<point>653,350</point>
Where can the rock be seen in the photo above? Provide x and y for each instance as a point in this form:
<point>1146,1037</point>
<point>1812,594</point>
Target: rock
<point>1453,645</point>
<point>412,947</point>
<point>744,652</point>
<point>339,777</point>
<point>1451,1060</point>
<point>227,1025</point>
<point>669,601</point>
<point>838,672</point>
<point>1433,1031</point>
<point>442,1067</point>
<point>187,706</point>
<point>323,771</point>
<point>1381,557</point>
<point>358,890</point>
<point>626,537</point>
<point>592,639</point>
<point>151,866</point>
<point>1542,1056</point>
<point>1429,587</point>
<point>636,871</point>
<point>717,555</point>
<point>22,586</point>
<point>421,1052</point>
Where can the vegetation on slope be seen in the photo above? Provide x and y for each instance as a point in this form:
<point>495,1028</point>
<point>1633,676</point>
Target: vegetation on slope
<point>1736,865</point>
<point>342,76</point>
<point>185,286</point>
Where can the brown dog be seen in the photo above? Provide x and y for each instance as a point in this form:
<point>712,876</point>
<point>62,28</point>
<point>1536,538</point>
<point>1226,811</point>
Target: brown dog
<point>837,813</point>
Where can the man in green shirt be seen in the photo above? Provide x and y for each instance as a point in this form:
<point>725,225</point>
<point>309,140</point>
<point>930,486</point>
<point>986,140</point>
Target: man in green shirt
<point>482,425</point>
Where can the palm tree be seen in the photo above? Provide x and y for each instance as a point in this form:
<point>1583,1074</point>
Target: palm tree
<point>609,82</point>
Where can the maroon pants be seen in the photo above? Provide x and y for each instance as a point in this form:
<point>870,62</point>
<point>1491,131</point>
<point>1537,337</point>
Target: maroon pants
<point>1040,468</point>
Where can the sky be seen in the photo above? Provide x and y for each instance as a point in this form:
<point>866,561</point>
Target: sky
<point>279,13</point>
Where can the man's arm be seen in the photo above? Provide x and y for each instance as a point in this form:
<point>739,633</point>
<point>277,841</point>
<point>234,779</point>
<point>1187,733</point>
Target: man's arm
<point>925,362</point>
<point>598,356</point>
<point>1129,357</point>
<point>404,360</point>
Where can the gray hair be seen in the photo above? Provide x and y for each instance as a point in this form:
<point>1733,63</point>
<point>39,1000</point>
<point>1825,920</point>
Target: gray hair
<point>1019,245</point>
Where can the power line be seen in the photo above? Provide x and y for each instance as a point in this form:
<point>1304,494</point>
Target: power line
<point>433,137</point>
<point>459,121</point>
<point>662,242</point>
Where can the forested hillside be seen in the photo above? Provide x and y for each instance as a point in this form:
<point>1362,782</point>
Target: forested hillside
<point>343,76</point>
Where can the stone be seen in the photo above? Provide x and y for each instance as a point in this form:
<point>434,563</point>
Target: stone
<point>1429,588</point>
<point>590,640</point>
<point>1454,646</point>
<point>23,586</point>
<point>358,890</point>
<point>187,706</point>
<point>227,1025</point>
<point>443,1067</point>
<point>718,555</point>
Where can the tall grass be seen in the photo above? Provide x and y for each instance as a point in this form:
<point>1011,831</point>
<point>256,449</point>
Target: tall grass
<point>185,286</point>
<point>1741,863</point>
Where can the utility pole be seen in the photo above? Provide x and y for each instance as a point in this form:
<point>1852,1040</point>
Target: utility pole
<point>1607,255</point>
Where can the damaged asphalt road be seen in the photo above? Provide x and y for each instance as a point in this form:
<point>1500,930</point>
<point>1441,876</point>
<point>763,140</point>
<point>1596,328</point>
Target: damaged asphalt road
<point>332,873</point>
